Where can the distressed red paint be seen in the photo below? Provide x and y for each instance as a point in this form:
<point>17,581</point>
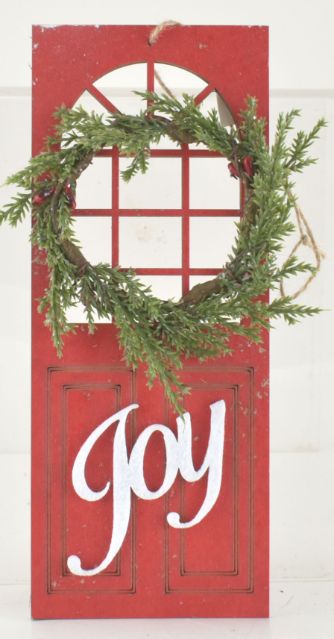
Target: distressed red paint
<point>219,568</point>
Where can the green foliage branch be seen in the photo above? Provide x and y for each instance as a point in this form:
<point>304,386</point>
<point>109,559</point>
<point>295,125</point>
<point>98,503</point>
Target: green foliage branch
<point>161,333</point>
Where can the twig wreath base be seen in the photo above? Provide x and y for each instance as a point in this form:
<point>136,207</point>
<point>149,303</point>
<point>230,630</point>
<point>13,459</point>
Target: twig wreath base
<point>161,333</point>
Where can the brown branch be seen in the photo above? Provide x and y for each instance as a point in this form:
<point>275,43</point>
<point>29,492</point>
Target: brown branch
<point>201,292</point>
<point>75,256</point>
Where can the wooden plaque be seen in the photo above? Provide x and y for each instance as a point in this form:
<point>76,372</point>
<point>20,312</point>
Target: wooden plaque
<point>218,567</point>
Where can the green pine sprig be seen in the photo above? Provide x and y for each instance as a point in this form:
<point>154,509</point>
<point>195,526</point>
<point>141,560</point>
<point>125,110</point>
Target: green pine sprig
<point>159,333</point>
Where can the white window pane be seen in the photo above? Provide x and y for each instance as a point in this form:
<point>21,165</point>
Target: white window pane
<point>89,103</point>
<point>127,102</point>
<point>178,80</point>
<point>94,185</point>
<point>165,287</point>
<point>94,235</point>
<point>160,187</point>
<point>199,279</point>
<point>119,86</point>
<point>165,143</point>
<point>214,101</point>
<point>147,242</point>
<point>130,76</point>
<point>211,185</point>
<point>211,240</point>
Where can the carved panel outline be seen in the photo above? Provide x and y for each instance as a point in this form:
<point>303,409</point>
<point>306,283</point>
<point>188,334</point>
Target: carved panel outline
<point>249,588</point>
<point>65,388</point>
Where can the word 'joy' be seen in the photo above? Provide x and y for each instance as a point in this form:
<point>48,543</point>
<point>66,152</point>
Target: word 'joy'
<point>128,473</point>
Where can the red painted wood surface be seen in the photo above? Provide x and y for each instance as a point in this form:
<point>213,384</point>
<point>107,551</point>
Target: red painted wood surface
<point>218,568</point>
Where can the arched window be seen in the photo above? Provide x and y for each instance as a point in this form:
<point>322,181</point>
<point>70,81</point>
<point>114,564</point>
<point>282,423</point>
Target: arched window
<point>157,223</point>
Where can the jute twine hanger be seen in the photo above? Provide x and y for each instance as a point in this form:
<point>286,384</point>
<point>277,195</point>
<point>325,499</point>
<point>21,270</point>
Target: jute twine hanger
<point>306,236</point>
<point>152,38</point>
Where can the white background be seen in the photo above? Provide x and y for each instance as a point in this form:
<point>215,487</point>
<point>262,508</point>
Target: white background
<point>302,434</point>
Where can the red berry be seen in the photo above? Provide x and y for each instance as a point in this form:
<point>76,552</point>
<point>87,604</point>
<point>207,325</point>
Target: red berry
<point>247,165</point>
<point>38,199</point>
<point>233,169</point>
<point>44,177</point>
<point>44,190</point>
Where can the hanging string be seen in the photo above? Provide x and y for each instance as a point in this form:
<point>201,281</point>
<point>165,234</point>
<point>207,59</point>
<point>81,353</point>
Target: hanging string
<point>306,238</point>
<point>152,38</point>
<point>164,86</point>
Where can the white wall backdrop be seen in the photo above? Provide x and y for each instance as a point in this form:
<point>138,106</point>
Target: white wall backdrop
<point>302,357</point>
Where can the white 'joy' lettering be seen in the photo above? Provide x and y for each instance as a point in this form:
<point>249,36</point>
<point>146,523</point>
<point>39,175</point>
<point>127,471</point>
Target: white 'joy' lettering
<point>128,473</point>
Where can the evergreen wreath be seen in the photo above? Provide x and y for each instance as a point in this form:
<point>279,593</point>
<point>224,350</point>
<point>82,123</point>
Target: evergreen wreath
<point>160,333</point>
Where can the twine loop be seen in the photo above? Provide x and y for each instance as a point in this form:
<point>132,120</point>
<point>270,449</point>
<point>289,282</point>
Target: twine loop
<point>152,38</point>
<point>157,31</point>
<point>306,238</point>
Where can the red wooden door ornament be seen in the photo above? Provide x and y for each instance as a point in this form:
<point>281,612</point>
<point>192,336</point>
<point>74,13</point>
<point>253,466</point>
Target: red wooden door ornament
<point>219,567</point>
